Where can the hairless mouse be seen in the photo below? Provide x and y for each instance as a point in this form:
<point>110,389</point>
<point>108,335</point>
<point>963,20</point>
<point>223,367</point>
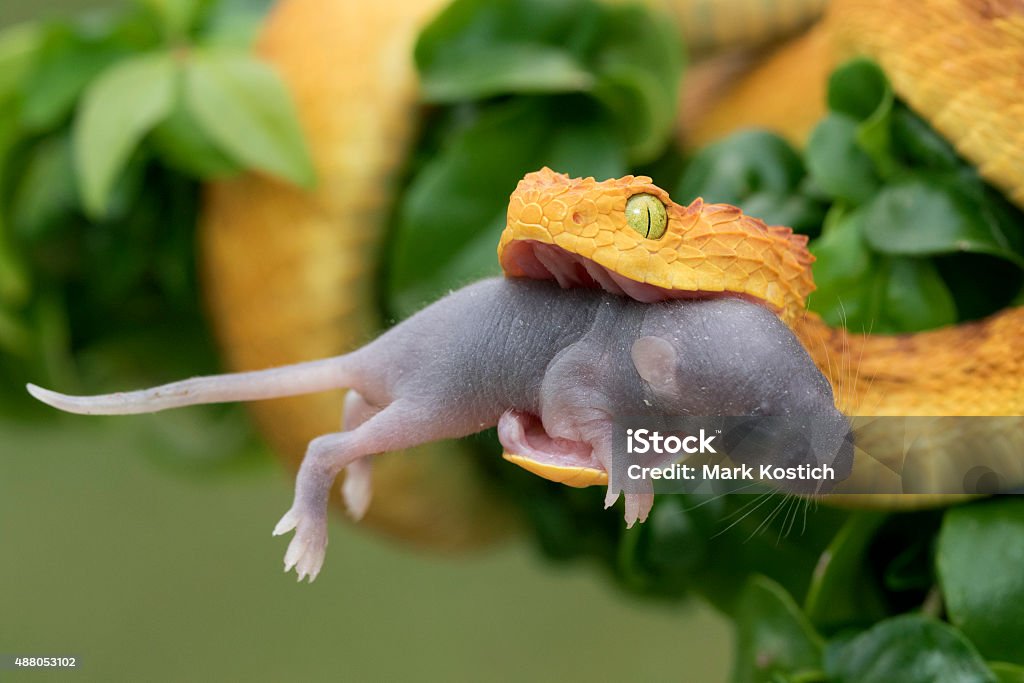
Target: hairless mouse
<point>505,350</point>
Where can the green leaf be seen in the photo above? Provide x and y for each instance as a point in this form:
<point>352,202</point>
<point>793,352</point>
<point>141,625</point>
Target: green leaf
<point>916,297</point>
<point>874,135</point>
<point>868,292</point>
<point>233,23</point>
<point>15,336</point>
<point>639,65</point>
<point>453,212</point>
<point>843,272</point>
<point>182,144</point>
<point>67,62</point>
<point>14,278</point>
<point>1005,220</point>
<point>627,57</point>
<point>116,112</point>
<point>478,48</point>
<point>772,635</point>
<point>244,107</point>
<point>18,48</point>
<point>1007,673</point>
<point>836,162</point>
<point>46,190</point>
<point>921,216</point>
<point>15,285</point>
<point>909,649</point>
<point>917,145</point>
<point>746,163</point>
<point>797,211</point>
<point>176,16</point>
<point>981,548</point>
<point>842,591</point>
<point>858,88</point>
<point>507,69</point>
<point>757,171</point>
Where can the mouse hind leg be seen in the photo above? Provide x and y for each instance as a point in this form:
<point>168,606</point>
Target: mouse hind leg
<point>399,425</point>
<point>357,489</point>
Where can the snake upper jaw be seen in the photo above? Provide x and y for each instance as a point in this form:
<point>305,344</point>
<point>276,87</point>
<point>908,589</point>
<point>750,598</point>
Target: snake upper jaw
<point>542,261</point>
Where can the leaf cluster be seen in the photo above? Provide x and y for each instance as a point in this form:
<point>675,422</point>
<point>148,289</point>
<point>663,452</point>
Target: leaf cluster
<point>584,87</point>
<point>108,124</point>
<point>909,236</point>
<point>817,594</point>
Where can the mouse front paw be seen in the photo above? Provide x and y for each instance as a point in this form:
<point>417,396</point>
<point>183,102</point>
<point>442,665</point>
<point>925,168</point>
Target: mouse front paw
<point>309,546</point>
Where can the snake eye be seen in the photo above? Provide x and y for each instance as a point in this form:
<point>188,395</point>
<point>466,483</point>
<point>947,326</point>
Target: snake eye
<point>646,214</point>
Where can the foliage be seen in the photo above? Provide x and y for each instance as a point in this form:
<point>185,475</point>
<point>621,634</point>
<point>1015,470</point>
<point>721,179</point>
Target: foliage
<point>761,173</point>
<point>578,85</point>
<point>909,227</point>
<point>819,595</point>
<point>107,126</point>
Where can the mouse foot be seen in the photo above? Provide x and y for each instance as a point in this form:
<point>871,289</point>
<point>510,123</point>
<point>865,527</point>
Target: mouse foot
<point>309,546</point>
<point>638,506</point>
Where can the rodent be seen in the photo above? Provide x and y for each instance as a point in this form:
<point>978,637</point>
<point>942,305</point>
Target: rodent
<point>503,348</point>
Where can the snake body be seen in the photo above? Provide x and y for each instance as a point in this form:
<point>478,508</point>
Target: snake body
<point>289,275</point>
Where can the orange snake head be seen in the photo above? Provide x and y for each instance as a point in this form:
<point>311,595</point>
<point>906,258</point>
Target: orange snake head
<point>576,231</point>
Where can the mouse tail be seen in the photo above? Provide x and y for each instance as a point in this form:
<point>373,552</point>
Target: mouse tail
<point>288,380</point>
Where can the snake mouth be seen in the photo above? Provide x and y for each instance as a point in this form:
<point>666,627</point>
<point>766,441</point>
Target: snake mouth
<point>542,261</point>
<point>565,461</point>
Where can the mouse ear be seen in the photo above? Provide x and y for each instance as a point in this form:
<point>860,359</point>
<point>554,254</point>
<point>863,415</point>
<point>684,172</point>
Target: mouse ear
<point>655,360</point>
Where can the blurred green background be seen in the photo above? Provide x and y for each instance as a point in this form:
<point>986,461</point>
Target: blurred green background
<point>149,570</point>
<point>13,11</point>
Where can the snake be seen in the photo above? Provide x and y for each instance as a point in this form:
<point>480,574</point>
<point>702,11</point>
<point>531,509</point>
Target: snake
<point>627,236</point>
<point>309,256</point>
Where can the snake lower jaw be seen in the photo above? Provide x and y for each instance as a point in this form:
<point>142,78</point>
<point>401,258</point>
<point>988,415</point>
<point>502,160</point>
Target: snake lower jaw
<point>529,446</point>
